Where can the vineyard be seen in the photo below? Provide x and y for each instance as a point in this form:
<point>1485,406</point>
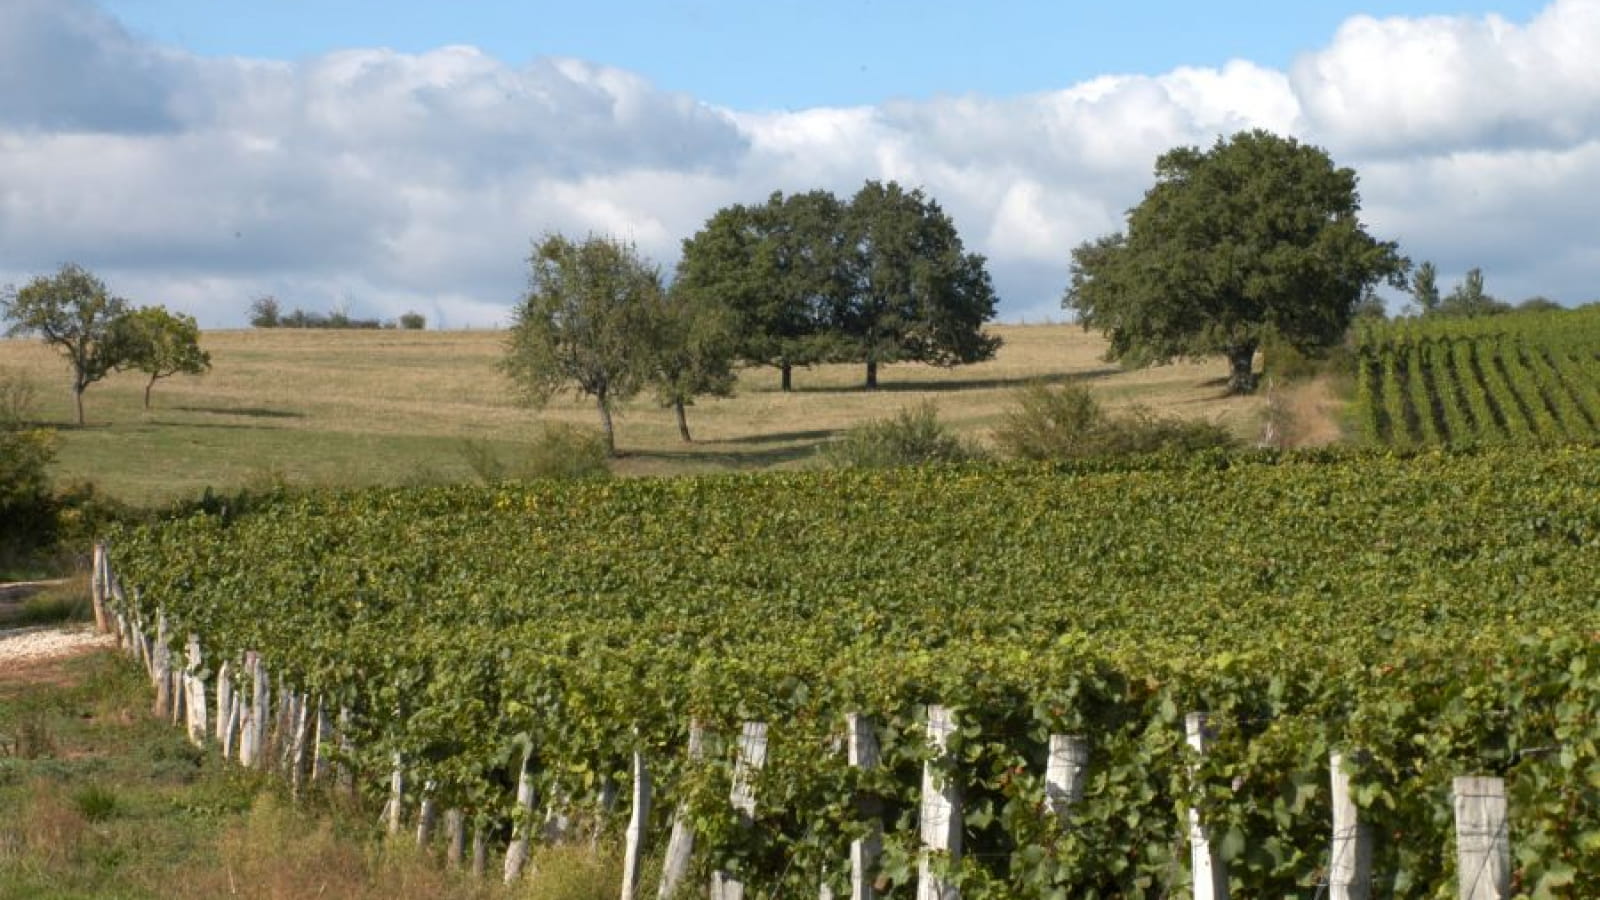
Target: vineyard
<point>1497,379</point>
<point>1430,617</point>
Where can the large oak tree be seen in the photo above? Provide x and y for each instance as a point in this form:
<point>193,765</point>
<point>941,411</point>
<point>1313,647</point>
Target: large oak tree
<point>1258,234</point>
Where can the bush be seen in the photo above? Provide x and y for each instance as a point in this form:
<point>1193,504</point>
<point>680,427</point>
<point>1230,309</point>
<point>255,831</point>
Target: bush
<point>1068,423</point>
<point>27,511</point>
<point>914,436</point>
<point>413,321</point>
<point>562,451</point>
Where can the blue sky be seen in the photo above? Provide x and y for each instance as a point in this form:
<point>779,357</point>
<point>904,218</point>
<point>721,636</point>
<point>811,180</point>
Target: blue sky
<point>784,54</point>
<point>383,157</point>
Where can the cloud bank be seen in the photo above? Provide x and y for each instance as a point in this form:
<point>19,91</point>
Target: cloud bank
<point>380,182</point>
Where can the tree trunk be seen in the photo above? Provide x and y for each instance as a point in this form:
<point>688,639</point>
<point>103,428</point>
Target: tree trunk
<point>147,392</point>
<point>787,369</point>
<point>1241,362</point>
<point>605,423</point>
<point>683,421</point>
<point>872,374</point>
<point>77,397</point>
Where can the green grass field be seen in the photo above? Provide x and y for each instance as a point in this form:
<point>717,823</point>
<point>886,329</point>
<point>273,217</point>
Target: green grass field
<point>369,407</point>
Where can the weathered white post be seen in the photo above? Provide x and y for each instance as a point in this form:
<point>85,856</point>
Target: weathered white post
<point>97,587</point>
<point>394,810</point>
<point>302,737</point>
<point>195,693</point>
<point>680,845</point>
<point>1210,874</point>
<point>517,852</point>
<point>246,704</point>
<point>260,711</point>
<point>161,668</point>
<point>861,751</point>
<point>480,848</point>
<point>941,810</point>
<point>427,813</point>
<point>455,832</point>
<point>751,759</point>
<point>638,822</point>
<point>1064,774</point>
<point>1350,862</point>
<point>224,703</point>
<point>1483,838</point>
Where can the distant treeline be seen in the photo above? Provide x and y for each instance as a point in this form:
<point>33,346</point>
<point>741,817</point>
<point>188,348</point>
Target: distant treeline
<point>266,313</point>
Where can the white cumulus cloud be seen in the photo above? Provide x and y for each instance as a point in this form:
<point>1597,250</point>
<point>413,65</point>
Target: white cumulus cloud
<point>389,181</point>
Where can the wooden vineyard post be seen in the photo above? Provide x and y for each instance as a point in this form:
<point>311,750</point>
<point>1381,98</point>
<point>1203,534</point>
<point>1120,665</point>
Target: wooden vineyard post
<point>302,737</point>
<point>394,810</point>
<point>861,749</point>
<point>1210,874</point>
<point>638,824</point>
<point>97,587</point>
<point>195,693</point>
<point>260,711</point>
<point>224,704</point>
<point>161,669</point>
<point>1350,861</point>
<point>680,845</point>
<point>1483,838</point>
<point>517,852</point>
<point>427,813</point>
<point>751,758</point>
<point>1064,774</point>
<point>455,837</point>
<point>941,810</point>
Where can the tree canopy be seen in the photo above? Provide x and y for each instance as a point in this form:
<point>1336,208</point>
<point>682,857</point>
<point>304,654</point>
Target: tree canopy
<point>694,350</point>
<point>587,324</point>
<point>777,269</point>
<point>915,293</point>
<point>73,312</point>
<point>1258,234</point>
<point>159,344</point>
<point>883,278</point>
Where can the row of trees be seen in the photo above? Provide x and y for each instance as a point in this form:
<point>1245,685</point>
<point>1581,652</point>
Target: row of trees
<point>99,333</point>
<point>1468,298</point>
<point>266,312</point>
<point>795,281</point>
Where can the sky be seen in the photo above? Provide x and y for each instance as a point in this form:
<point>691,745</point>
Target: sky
<point>379,157</point>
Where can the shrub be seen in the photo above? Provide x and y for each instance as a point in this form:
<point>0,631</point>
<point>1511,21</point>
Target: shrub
<point>561,451</point>
<point>1068,423</point>
<point>413,321</point>
<point>27,511</point>
<point>914,436</point>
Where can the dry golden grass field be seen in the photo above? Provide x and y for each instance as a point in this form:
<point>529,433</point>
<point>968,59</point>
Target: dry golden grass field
<point>366,407</point>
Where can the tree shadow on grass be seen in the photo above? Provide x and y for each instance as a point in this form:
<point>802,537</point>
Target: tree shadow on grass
<point>759,451</point>
<point>254,412</point>
<point>962,384</point>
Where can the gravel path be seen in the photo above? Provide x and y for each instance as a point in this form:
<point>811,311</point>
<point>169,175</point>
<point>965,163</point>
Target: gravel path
<point>26,646</point>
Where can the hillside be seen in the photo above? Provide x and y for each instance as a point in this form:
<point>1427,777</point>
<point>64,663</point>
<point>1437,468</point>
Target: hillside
<point>365,407</point>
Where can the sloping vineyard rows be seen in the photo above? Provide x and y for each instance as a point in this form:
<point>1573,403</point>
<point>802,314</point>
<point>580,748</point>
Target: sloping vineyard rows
<point>1436,613</point>
<point>1530,377</point>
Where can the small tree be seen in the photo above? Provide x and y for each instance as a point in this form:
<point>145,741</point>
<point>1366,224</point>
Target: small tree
<point>1258,234</point>
<point>694,349</point>
<point>586,323</point>
<point>264,312</point>
<point>1424,287</point>
<point>73,312</point>
<point>1469,299</point>
<point>413,321</point>
<point>160,345</point>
